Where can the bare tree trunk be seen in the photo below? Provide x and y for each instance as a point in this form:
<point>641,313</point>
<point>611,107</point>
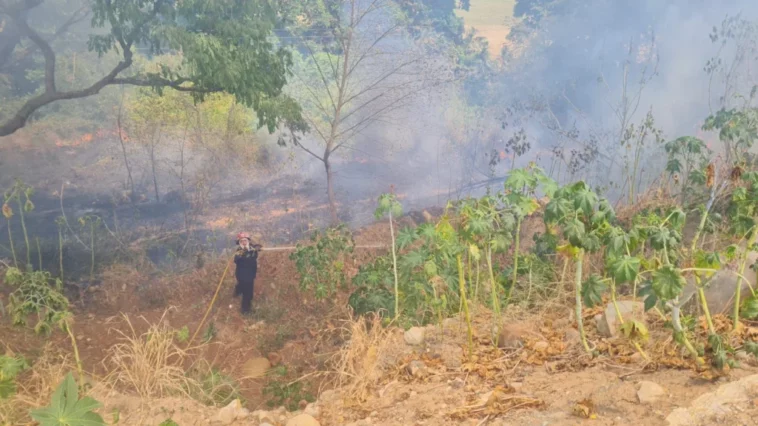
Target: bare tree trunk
<point>330,190</point>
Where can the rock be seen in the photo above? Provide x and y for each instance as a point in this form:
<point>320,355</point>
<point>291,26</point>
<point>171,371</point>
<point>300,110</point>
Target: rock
<point>231,412</point>
<point>571,336</point>
<point>312,410</point>
<point>451,323</point>
<point>417,369</point>
<point>517,386</point>
<point>256,367</point>
<point>636,357</point>
<point>303,420</point>
<point>264,417</point>
<point>731,400</point>
<point>608,324</point>
<point>414,336</point>
<point>541,346</point>
<point>650,393</point>
<point>720,290</point>
<point>328,396</point>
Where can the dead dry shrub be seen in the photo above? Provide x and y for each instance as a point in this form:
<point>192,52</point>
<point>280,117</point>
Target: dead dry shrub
<point>358,367</point>
<point>36,385</point>
<point>149,364</point>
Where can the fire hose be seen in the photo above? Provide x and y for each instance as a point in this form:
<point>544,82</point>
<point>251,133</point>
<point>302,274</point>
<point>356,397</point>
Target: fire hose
<point>226,269</point>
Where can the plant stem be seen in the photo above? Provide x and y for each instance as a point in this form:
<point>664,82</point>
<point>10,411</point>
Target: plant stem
<point>92,247</point>
<point>494,295</point>
<point>60,252</point>
<point>23,228</point>
<point>462,286</point>
<point>515,261</point>
<point>677,324</point>
<point>738,290</point>
<point>529,292</point>
<point>10,239</point>
<point>76,350</point>
<point>621,319</point>
<point>578,285</point>
<point>704,303</point>
<point>394,268</point>
<point>565,269</point>
<point>478,276</point>
<point>39,253</point>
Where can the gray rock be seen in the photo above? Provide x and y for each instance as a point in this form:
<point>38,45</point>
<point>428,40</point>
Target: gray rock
<point>729,400</point>
<point>230,413</point>
<point>264,416</point>
<point>720,288</point>
<point>313,410</point>
<point>303,420</point>
<point>415,336</point>
<point>650,393</point>
<point>608,324</point>
<point>571,336</point>
<point>417,369</point>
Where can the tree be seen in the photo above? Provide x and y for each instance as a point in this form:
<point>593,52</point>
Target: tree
<point>363,67</point>
<point>225,48</point>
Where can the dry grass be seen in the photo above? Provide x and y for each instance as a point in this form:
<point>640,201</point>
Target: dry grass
<point>358,366</point>
<point>35,386</point>
<point>149,364</point>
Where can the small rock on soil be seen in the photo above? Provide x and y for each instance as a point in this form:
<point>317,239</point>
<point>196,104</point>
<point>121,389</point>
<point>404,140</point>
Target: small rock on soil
<point>650,393</point>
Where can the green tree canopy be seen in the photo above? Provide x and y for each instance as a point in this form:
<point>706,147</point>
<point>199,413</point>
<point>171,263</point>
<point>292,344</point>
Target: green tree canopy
<point>224,46</point>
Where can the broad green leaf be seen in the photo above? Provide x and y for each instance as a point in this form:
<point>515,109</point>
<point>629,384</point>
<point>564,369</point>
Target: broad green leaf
<point>406,237</point>
<point>668,282</point>
<point>592,290</point>
<point>625,269</point>
<point>706,260</point>
<point>617,241</point>
<point>591,242</point>
<point>677,218</point>
<point>557,210</point>
<point>519,179</point>
<point>66,409</point>
<point>585,200</point>
<point>749,308</point>
<point>574,232</point>
<point>659,238</point>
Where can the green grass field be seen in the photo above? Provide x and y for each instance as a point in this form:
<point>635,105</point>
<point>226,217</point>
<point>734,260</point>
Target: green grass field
<point>491,19</point>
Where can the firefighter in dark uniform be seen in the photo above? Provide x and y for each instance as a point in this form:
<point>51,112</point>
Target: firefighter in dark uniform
<point>246,259</point>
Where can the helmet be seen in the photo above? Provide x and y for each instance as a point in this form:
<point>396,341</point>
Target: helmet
<point>242,235</point>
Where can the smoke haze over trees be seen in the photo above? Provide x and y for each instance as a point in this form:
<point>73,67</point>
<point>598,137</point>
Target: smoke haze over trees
<point>587,89</point>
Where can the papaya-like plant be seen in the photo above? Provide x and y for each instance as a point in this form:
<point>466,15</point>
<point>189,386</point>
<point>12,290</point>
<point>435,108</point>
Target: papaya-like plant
<point>388,205</point>
<point>583,217</point>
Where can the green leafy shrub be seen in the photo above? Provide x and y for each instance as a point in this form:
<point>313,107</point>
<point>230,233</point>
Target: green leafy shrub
<point>321,264</point>
<point>36,293</point>
<point>10,367</point>
<point>282,393</point>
